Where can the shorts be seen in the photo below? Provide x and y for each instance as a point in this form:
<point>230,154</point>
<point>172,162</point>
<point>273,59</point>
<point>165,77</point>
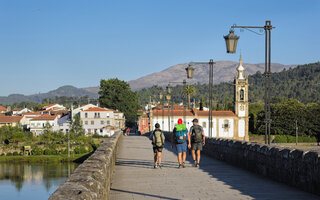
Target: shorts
<point>157,149</point>
<point>196,146</point>
<point>181,147</point>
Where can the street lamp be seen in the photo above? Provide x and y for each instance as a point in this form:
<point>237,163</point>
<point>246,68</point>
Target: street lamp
<point>231,41</point>
<point>161,96</point>
<point>231,44</point>
<point>190,71</point>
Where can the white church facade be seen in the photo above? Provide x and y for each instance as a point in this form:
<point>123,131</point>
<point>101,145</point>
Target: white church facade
<point>225,124</point>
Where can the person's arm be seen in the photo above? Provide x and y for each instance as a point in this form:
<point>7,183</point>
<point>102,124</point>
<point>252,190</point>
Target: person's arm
<point>172,137</point>
<point>189,138</point>
<point>203,137</point>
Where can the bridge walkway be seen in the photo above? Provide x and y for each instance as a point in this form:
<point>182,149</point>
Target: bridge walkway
<point>135,178</point>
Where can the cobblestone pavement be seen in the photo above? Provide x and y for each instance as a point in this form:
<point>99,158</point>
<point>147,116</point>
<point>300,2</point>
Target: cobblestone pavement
<point>135,178</point>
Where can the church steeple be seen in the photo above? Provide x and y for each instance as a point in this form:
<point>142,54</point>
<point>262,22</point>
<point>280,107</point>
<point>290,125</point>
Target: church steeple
<point>240,69</point>
<point>241,105</point>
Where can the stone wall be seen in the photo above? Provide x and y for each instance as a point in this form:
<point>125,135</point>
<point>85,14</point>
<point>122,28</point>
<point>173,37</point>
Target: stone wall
<point>91,179</point>
<point>293,167</point>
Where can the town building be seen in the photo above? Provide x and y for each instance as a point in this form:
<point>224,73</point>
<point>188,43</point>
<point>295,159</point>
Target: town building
<point>11,120</point>
<point>38,124</point>
<point>225,124</point>
<point>3,109</point>
<point>96,120</point>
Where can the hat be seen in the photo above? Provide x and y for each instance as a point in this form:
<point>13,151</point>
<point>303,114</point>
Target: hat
<point>180,121</point>
<point>195,120</point>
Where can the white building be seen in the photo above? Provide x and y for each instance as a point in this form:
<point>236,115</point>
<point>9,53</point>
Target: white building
<point>37,124</point>
<point>97,120</point>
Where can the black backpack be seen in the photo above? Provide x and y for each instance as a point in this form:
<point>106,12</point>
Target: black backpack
<point>196,134</point>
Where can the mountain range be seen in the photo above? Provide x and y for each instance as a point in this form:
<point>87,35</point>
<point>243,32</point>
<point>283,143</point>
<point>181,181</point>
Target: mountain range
<point>224,71</point>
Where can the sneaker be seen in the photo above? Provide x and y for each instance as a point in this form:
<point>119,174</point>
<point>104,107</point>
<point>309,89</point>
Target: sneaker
<point>183,165</point>
<point>160,166</point>
<point>197,166</point>
<point>194,163</point>
<point>155,167</point>
<point>179,167</point>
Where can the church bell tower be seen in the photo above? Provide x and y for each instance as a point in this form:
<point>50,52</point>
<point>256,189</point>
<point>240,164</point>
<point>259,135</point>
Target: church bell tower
<point>241,105</point>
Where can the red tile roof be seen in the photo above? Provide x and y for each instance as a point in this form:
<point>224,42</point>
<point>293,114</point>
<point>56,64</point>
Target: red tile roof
<point>96,109</point>
<point>10,119</point>
<point>45,117</point>
<point>193,113</point>
<point>49,106</point>
<point>2,108</point>
<point>32,113</point>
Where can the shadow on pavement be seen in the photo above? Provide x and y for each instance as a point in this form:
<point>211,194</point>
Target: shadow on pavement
<point>142,194</point>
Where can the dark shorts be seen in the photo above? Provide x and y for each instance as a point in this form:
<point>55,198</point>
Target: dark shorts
<point>157,149</point>
<point>196,146</point>
<point>181,147</point>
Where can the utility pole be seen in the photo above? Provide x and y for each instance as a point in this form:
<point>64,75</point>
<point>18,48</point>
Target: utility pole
<point>296,132</point>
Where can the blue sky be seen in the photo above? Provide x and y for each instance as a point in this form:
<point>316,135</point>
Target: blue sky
<point>45,44</point>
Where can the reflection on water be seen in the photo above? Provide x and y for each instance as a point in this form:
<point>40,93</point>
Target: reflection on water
<point>32,181</point>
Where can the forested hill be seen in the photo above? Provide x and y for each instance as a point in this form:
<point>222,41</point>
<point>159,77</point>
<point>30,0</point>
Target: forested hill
<point>302,83</point>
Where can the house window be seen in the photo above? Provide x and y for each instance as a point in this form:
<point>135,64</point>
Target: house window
<point>32,124</point>
<point>225,125</point>
<point>108,122</point>
<point>241,95</point>
<point>204,124</point>
<point>86,122</point>
<point>86,115</point>
<point>96,115</point>
<point>67,130</point>
<point>92,122</point>
<point>101,131</point>
<point>108,115</point>
<point>102,122</point>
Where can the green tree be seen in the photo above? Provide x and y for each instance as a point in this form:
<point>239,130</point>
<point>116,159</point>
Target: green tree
<point>188,91</point>
<point>76,127</point>
<point>116,94</point>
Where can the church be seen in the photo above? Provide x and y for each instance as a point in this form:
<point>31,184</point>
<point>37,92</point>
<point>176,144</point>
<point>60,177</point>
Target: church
<point>225,124</point>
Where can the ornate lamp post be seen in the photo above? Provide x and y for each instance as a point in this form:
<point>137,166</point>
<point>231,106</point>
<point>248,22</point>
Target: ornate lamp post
<point>231,44</point>
<point>190,72</point>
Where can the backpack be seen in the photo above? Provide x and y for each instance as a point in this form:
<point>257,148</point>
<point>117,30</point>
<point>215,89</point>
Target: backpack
<point>158,138</point>
<point>196,134</point>
<point>180,133</point>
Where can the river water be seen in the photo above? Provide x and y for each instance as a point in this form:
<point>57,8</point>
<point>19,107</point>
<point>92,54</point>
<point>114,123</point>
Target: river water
<point>32,181</point>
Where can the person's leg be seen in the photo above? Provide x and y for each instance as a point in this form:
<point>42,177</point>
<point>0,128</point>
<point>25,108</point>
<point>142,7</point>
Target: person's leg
<point>159,158</point>
<point>155,158</point>
<point>198,156</point>
<point>179,158</point>
<point>193,155</point>
<point>184,155</point>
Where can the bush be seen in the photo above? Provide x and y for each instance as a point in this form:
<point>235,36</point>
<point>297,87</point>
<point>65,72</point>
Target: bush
<point>96,135</point>
<point>292,139</point>
<point>36,151</point>
<point>15,153</point>
<point>9,154</point>
<point>80,150</point>
<point>50,152</point>
<point>2,154</point>
<point>280,139</point>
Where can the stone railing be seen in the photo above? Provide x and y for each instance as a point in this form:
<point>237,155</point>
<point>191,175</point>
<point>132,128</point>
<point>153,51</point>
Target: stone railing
<point>293,167</point>
<point>297,168</point>
<point>91,179</point>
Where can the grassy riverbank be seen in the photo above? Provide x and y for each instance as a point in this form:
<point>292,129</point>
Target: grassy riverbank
<point>44,158</point>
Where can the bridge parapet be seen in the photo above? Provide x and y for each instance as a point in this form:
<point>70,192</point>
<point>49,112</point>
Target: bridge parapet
<point>291,166</point>
<point>91,179</point>
<point>294,167</point>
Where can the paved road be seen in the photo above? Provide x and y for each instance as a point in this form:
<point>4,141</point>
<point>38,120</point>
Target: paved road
<point>135,178</point>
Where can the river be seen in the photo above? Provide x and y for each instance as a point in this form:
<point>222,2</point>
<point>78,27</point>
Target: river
<point>32,181</point>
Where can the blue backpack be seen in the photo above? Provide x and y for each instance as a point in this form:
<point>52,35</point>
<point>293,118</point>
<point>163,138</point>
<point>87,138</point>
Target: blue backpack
<point>180,133</point>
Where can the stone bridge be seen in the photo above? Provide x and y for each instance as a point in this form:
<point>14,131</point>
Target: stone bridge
<point>122,168</point>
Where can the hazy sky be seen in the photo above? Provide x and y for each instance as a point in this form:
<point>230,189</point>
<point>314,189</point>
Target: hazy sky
<point>45,44</point>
